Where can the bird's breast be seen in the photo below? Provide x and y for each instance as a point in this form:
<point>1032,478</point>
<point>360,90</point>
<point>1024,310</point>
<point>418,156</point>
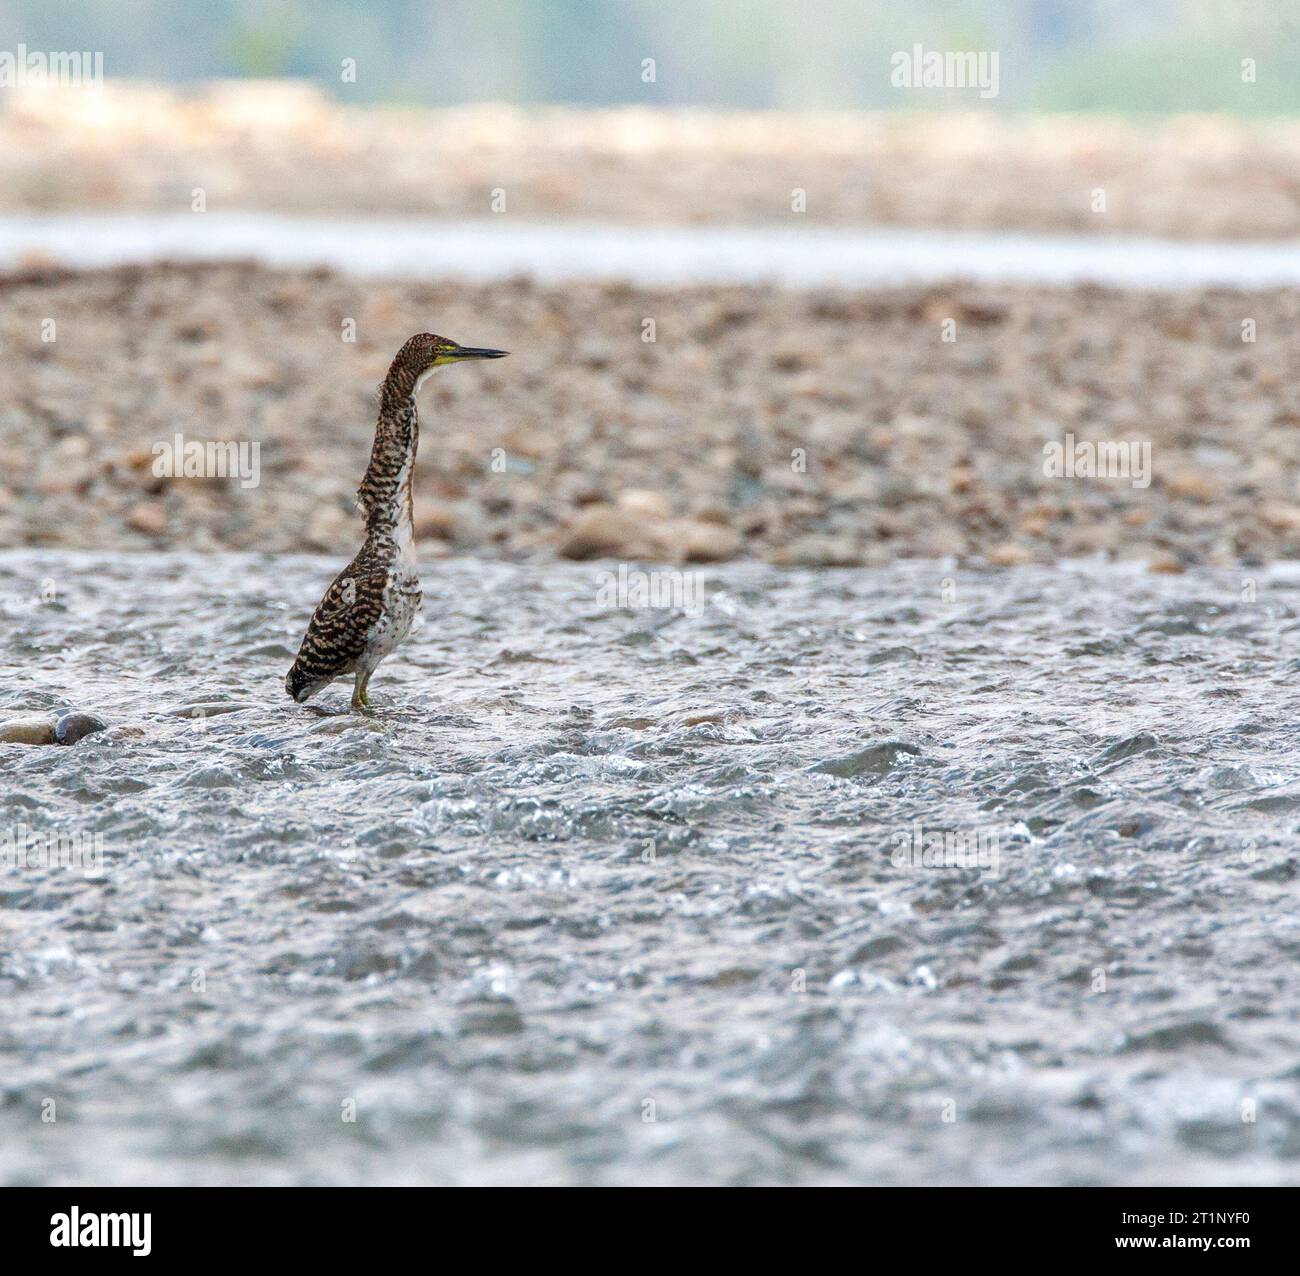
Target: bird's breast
<point>401,606</point>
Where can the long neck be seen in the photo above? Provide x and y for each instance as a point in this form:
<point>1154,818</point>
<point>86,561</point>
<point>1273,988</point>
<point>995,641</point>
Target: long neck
<point>385,491</point>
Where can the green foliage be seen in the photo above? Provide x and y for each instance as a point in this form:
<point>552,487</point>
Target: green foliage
<point>1109,55</point>
<point>262,48</point>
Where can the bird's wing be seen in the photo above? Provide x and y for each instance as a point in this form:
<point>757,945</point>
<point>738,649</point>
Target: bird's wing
<point>346,614</point>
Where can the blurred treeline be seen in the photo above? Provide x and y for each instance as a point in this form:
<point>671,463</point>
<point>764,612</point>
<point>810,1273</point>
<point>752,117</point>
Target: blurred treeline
<point>1114,55</point>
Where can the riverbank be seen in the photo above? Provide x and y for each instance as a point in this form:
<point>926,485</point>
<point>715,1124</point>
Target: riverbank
<point>287,147</point>
<point>813,427</point>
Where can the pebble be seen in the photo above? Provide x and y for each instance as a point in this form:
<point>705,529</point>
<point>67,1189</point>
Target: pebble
<point>75,726</point>
<point>818,551</point>
<point>148,517</point>
<point>698,542</point>
<point>1281,516</point>
<point>645,504</point>
<point>1166,565</point>
<point>36,729</point>
<point>1009,555</point>
<point>603,531</point>
<point>875,759</point>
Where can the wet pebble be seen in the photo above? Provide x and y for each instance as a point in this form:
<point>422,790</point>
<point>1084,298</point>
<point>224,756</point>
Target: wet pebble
<point>875,759</point>
<point>36,729</point>
<point>75,726</point>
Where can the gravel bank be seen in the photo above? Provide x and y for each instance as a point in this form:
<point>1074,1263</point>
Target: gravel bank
<point>802,428</point>
<point>287,147</point>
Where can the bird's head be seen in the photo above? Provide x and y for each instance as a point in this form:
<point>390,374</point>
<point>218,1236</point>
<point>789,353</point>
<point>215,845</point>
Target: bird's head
<point>426,352</point>
<point>300,687</point>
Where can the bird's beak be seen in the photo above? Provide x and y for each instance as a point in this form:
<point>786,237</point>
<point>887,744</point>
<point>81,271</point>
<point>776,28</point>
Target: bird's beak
<point>472,352</point>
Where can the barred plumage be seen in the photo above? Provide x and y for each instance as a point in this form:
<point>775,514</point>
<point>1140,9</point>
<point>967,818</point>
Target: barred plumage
<point>373,602</point>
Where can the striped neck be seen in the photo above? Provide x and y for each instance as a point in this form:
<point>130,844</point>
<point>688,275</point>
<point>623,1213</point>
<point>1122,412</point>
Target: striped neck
<point>385,491</point>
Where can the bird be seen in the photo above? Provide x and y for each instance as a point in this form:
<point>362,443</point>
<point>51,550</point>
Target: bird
<point>372,604</point>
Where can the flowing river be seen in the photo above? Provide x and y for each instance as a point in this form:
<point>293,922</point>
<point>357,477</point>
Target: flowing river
<point>894,875</point>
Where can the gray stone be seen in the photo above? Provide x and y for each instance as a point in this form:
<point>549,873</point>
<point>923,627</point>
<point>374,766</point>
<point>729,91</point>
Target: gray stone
<point>75,726</point>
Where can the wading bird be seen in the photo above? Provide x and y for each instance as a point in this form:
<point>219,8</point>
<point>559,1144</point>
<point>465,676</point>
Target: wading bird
<point>370,607</point>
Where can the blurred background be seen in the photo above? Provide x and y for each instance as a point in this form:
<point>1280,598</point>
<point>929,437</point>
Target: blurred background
<point>251,181</point>
<point>1059,55</point>
<point>670,113</point>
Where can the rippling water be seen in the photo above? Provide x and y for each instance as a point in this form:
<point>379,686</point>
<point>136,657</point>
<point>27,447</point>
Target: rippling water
<point>626,896</point>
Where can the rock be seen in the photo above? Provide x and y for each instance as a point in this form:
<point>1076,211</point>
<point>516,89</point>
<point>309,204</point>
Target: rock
<point>148,517</point>
<point>602,531</point>
<point>875,759</point>
<point>140,459</point>
<point>645,504</point>
<point>1192,485</point>
<point>75,726</point>
<point>818,551</point>
<point>962,478</point>
<point>37,729</point>
<point>437,522</point>
<point>1009,554</point>
<point>1281,516</point>
<point>698,542</point>
<point>532,444</point>
<point>1166,565</point>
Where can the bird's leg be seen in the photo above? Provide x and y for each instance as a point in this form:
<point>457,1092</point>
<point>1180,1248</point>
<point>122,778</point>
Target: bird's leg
<point>359,698</point>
